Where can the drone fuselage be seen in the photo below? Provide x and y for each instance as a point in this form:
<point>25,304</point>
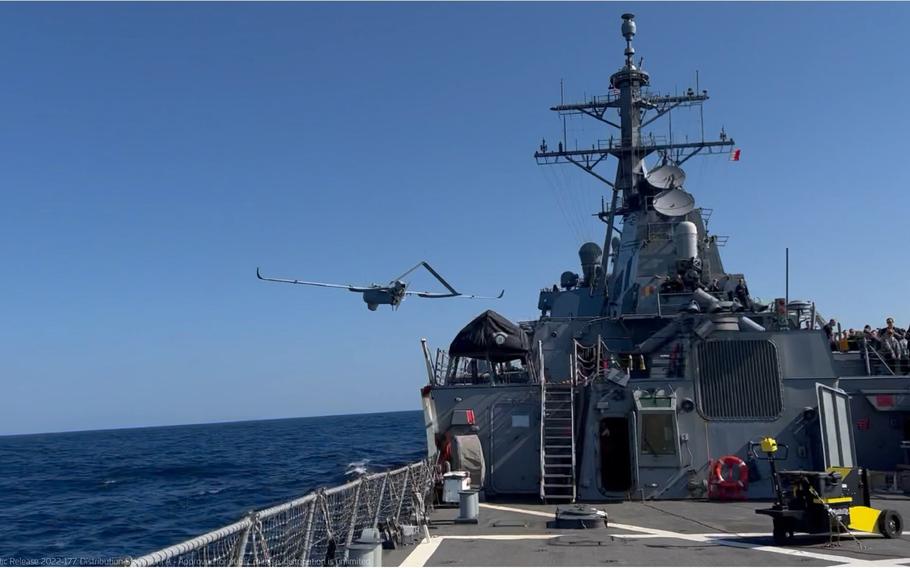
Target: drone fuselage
<point>391,295</point>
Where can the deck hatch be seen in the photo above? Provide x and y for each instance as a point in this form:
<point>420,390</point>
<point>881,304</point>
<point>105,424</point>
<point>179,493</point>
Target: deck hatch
<point>739,380</point>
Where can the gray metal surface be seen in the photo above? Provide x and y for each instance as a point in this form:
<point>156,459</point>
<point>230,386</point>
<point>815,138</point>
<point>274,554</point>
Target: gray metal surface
<point>670,533</point>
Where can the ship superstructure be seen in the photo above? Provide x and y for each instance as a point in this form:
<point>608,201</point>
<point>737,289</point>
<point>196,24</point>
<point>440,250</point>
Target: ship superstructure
<point>647,374</point>
<point>649,205</point>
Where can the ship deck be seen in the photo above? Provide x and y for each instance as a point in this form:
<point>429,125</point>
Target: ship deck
<point>654,533</point>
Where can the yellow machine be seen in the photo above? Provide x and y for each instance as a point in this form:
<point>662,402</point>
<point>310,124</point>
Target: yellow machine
<point>816,502</point>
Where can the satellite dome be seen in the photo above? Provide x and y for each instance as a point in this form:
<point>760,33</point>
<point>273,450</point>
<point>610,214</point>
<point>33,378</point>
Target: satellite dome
<point>666,177</point>
<point>674,202</point>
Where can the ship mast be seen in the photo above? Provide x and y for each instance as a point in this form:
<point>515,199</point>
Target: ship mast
<point>637,108</point>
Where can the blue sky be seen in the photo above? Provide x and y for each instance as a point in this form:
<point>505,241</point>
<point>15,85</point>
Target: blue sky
<point>152,155</point>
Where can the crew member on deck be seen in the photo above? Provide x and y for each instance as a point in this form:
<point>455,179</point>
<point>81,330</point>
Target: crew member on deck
<point>899,336</point>
<point>830,329</point>
<point>891,347</point>
<point>742,294</point>
<point>678,284</point>
<point>673,285</point>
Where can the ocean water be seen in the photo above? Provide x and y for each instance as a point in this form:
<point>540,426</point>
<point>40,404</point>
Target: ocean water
<point>114,493</point>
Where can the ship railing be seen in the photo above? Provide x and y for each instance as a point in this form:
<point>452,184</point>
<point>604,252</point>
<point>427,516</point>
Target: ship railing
<point>440,367</point>
<point>314,530</point>
<point>706,214</point>
<point>588,361</point>
<point>596,362</point>
<point>607,98</point>
<point>543,415</point>
<point>651,95</point>
<point>615,142</point>
<point>448,370</point>
<point>536,363</point>
<point>873,359</point>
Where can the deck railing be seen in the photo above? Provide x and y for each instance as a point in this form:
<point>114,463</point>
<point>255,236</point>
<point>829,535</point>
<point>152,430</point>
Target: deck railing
<point>313,530</point>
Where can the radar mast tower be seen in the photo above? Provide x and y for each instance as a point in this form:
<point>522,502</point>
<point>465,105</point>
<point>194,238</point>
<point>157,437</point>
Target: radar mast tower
<point>637,108</point>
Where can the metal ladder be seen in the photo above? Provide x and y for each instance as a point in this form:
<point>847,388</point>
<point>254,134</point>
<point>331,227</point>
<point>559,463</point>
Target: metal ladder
<point>557,441</point>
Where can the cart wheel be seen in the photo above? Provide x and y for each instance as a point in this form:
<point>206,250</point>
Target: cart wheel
<point>890,524</point>
<point>783,533</point>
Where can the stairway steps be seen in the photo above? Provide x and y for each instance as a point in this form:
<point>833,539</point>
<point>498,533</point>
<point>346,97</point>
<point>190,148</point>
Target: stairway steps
<point>557,475</point>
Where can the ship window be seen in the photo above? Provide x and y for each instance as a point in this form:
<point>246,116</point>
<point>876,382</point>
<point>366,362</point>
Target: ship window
<point>658,433</point>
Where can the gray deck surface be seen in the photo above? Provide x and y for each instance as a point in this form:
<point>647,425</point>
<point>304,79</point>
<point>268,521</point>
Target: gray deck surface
<point>658,533</point>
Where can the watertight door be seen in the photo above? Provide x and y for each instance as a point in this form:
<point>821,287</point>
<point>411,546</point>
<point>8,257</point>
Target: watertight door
<point>514,448</point>
<point>835,423</point>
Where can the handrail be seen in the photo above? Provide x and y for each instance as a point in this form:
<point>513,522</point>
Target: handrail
<point>573,428</point>
<point>163,555</point>
<point>314,529</point>
<point>866,348</point>
<point>543,410</point>
<point>431,371</point>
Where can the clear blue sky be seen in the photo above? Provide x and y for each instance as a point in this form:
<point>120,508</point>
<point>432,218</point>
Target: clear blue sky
<point>152,155</point>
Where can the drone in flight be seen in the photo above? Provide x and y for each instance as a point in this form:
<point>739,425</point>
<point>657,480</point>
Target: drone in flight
<point>393,293</point>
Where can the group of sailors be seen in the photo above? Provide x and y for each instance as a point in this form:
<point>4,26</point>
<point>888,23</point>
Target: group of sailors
<point>890,342</point>
<point>718,287</point>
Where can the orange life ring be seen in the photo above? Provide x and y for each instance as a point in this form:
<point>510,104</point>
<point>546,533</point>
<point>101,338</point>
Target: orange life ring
<point>735,464</point>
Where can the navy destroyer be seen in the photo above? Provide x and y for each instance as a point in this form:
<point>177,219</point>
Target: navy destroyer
<point>650,372</point>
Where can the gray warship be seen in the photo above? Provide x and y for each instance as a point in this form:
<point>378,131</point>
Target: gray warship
<point>649,374</point>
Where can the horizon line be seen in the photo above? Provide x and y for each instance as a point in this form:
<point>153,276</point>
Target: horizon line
<point>87,430</point>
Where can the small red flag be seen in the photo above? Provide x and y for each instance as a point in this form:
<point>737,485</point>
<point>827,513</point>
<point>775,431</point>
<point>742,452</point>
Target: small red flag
<point>734,155</point>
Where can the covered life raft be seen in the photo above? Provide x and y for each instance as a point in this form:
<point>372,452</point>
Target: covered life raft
<point>492,337</point>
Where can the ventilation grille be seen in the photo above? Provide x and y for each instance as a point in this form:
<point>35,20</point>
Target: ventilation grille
<point>739,380</point>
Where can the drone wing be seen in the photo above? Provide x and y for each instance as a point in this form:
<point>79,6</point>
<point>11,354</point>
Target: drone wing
<point>350,287</point>
<point>455,295</point>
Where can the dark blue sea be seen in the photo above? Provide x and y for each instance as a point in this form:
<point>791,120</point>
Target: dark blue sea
<point>115,493</point>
